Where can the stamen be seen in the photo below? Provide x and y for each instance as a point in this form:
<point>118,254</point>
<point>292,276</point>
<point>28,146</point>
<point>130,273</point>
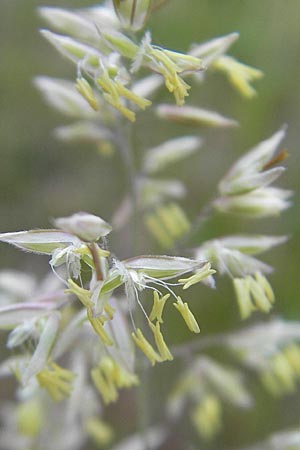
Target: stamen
<point>142,343</point>
<point>198,276</point>
<point>82,294</point>
<point>187,315</point>
<point>162,347</point>
<point>97,323</point>
<point>84,88</point>
<point>263,282</point>
<point>109,376</point>
<point>242,291</point>
<point>105,387</point>
<point>261,300</point>
<point>56,380</point>
<point>158,306</point>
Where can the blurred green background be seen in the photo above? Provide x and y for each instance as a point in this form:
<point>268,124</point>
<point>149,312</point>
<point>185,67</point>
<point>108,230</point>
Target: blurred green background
<point>41,178</point>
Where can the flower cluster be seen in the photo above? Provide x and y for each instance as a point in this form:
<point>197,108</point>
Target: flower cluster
<point>74,243</point>
<point>271,350</point>
<point>107,58</point>
<point>74,336</point>
<point>234,256</point>
<point>245,190</point>
<point>207,385</point>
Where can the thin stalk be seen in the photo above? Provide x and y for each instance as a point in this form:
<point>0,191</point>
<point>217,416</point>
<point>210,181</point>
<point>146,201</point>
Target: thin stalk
<point>124,140</point>
<point>133,9</point>
<point>94,252</point>
<point>204,215</point>
<point>199,344</point>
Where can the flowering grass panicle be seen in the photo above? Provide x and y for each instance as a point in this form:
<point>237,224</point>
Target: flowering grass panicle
<point>112,308</point>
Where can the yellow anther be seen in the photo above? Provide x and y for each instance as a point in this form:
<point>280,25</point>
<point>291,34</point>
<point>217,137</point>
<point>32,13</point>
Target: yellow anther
<point>84,88</point>
<point>186,62</point>
<point>130,115</point>
<point>99,431</point>
<point>164,213</point>
<point>253,294</point>
<point>106,83</point>
<point>109,311</point>
<point>116,373</point>
<point>84,250</point>
<point>142,343</point>
<point>239,74</point>
<point>169,69</point>
<point>112,96</point>
<point>284,372</point>
<point>166,223</point>
<point>138,100</point>
<point>203,273</point>
<point>242,291</point>
<point>292,354</point>
<point>109,376</point>
<point>187,315</point>
<point>29,417</point>
<point>180,90</point>
<point>162,347</point>
<point>158,306</point>
<point>82,294</point>
<point>108,366</point>
<point>114,90</point>
<point>97,323</point>
<point>174,219</point>
<point>157,229</point>
<point>259,296</point>
<point>180,218</point>
<point>105,387</point>
<point>207,417</point>
<point>263,282</point>
<point>56,380</point>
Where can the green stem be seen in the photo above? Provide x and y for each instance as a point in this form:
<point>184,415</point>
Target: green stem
<point>94,252</point>
<point>124,140</point>
<point>199,344</point>
<point>204,215</point>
